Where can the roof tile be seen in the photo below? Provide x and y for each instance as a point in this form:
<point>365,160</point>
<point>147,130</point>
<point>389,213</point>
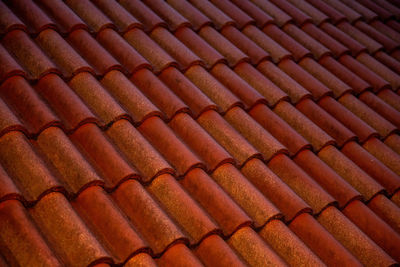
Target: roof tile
<point>8,20</point>
<point>385,29</point>
<point>392,141</point>
<point>261,18</point>
<point>8,190</point>
<point>240,17</point>
<point>148,218</point>
<point>217,16</point>
<point>297,14</point>
<point>141,259</point>
<point>351,15</point>
<point>317,16</point>
<point>366,13</point>
<point>22,243</point>
<point>227,214</point>
<point>388,61</point>
<point>387,43</point>
<point>9,66</point>
<point>8,121</point>
<point>331,12</point>
<point>386,210</point>
<point>196,18</point>
<point>178,255</point>
<point>280,17</point>
<point>378,9</point>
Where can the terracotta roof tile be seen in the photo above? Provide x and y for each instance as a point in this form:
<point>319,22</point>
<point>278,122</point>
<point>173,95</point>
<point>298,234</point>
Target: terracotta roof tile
<point>22,243</point>
<point>8,121</point>
<point>240,17</point>
<point>331,12</point>
<point>378,9</point>
<point>317,16</point>
<point>280,17</point>
<point>219,18</point>
<point>179,255</point>
<point>261,18</point>
<point>387,43</point>
<point>9,67</point>
<point>196,18</point>
<point>8,190</point>
<point>386,210</point>
<point>351,15</point>
<point>141,259</point>
<point>388,61</point>
<point>288,245</point>
<point>385,29</point>
<point>214,251</point>
<point>392,141</point>
<point>390,97</point>
<point>366,13</point>
<point>146,215</point>
<point>8,20</point>
<point>297,14</point>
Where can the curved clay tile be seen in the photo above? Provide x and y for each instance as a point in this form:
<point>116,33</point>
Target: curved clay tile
<point>27,105</point>
<point>302,184</point>
<point>60,52</point>
<point>332,13</point>
<point>129,96</point>
<point>8,189</point>
<point>96,98</point>
<point>196,18</point>
<point>252,50</point>
<point>120,49</point>
<point>351,15</point>
<point>390,97</point>
<point>8,121</point>
<point>298,51</point>
<point>366,13</point>
<point>386,29</point>
<point>143,13</point>
<point>28,54</point>
<point>260,138</point>
<point>9,66</point>
<point>8,20</point>
<point>322,242</point>
<point>303,79</point>
<point>137,150</point>
<point>344,74</point>
<point>57,220</point>
<point>199,141</point>
<point>353,238</point>
<point>272,93</point>
<point>94,18</point>
<point>178,255</point>
<point>184,56</point>
<point>288,245</point>
<point>276,51</point>
<point>378,9</point>
<point>261,18</point>
<point>64,102</point>
<point>109,226</point>
<point>387,43</point>
<point>297,14</point>
<point>387,210</point>
<point>173,150</point>
<point>393,141</point>
<point>93,52</point>
<point>280,17</point>
<point>168,14</point>
<point>227,214</point>
<point>119,15</point>
<point>294,90</point>
<point>74,171</point>
<point>145,214</point>
<point>219,18</point>
<point>334,184</point>
<point>149,49</point>
<point>249,245</point>
<point>158,93</point>
<point>317,16</point>
<point>230,9</point>
<point>198,45</point>
<point>275,189</point>
<point>349,171</point>
<point>247,94</point>
<point>388,61</point>
<point>197,101</point>
<point>141,259</point>
<point>102,155</point>
<point>60,13</point>
<point>22,242</point>
<point>326,122</point>
<point>214,251</point>
<point>376,169</point>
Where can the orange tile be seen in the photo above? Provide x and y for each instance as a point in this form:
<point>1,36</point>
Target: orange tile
<point>179,255</point>
<point>196,18</point>
<point>22,243</point>
<point>141,259</point>
<point>166,12</point>
<point>9,67</point>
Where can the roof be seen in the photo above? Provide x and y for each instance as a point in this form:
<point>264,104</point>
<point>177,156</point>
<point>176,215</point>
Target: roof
<point>190,133</point>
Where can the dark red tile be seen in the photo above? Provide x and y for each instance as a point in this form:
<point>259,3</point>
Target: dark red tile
<point>253,249</point>
<point>137,150</point>
<point>353,238</point>
<point>28,54</point>
<point>129,96</point>
<point>255,53</point>
<point>214,251</point>
<point>62,15</point>
<point>175,48</point>
<point>173,150</point>
<point>386,210</point>
<point>178,255</point>
<point>158,93</point>
<point>64,102</point>
<point>110,227</point>
<point>141,259</point>
<point>317,16</point>
<point>8,20</point>
<point>288,245</point>
<point>22,243</point>
<point>261,18</point>
<point>131,59</point>
<point>94,18</point>
<point>280,17</point>
<point>351,15</point>
<point>311,132</point>
<point>331,12</point>
<point>396,199</point>
<point>387,43</point>
<point>211,87</point>
<point>298,51</point>
<point>305,79</point>
<point>366,13</point>
<point>350,172</point>
<point>9,66</point>
<point>378,9</point>
<point>96,98</point>
<point>302,184</point>
<point>92,52</point>
<point>230,9</point>
<point>316,237</point>
<point>276,51</point>
<point>102,155</point>
<point>219,18</point>
<point>246,195</point>
<point>226,213</point>
<point>386,29</point>
<point>148,218</point>
<point>227,137</point>
<point>8,120</point>
<point>27,105</point>
<point>388,61</point>
<point>297,14</point>
<point>8,190</point>
<point>393,24</point>
<point>143,13</point>
<point>199,141</point>
<point>393,141</point>
<point>149,49</point>
<point>272,93</point>
<point>391,7</point>
<point>275,189</point>
<point>196,18</point>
